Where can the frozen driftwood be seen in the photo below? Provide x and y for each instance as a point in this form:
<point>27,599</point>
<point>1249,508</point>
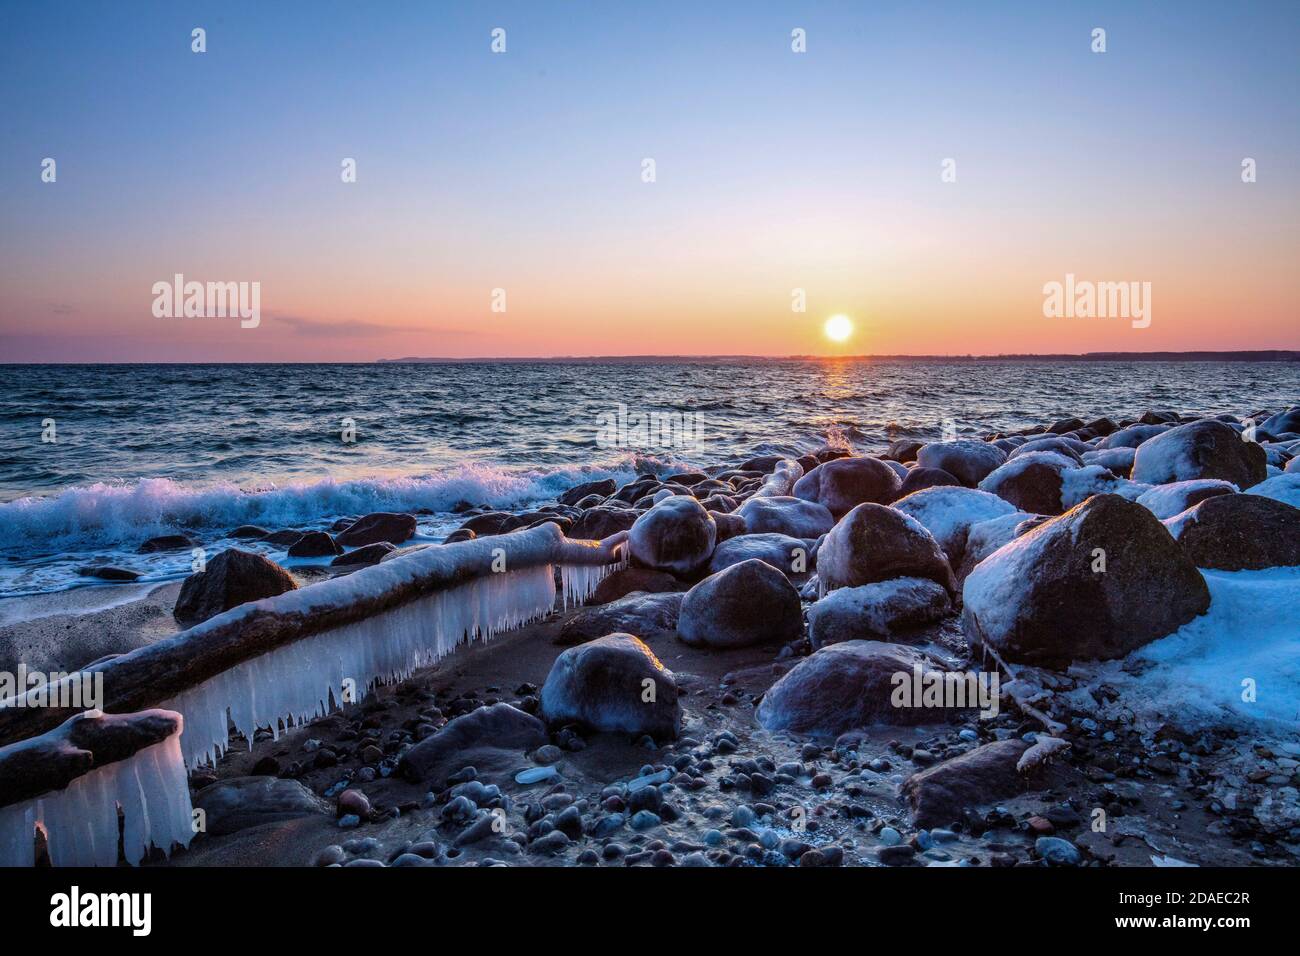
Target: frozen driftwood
<point>292,656</point>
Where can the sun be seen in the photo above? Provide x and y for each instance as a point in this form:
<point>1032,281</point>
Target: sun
<point>838,328</point>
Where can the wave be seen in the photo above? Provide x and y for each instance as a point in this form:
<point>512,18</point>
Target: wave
<point>111,514</point>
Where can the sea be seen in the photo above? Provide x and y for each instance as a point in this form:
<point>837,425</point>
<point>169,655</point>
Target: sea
<point>95,459</point>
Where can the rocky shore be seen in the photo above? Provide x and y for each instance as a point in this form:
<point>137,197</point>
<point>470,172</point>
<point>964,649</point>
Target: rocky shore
<point>950,653</point>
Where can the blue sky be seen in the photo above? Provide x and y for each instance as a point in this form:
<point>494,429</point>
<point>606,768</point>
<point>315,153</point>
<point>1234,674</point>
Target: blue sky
<point>774,170</point>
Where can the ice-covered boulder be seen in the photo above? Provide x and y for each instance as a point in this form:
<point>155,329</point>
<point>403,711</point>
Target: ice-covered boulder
<point>380,526</point>
<point>676,535</point>
<point>1282,422</point>
<point>1133,436</point>
<point>612,684</point>
<point>919,478</point>
<point>626,580</point>
<point>1119,461</point>
<point>886,610</point>
<point>1284,487</point>
<point>230,579</point>
<point>985,537</point>
<point>238,803</point>
<point>748,603</point>
<point>1101,580</point>
<point>596,524</point>
<point>850,685</point>
<point>1239,533</point>
<point>790,556</point>
<point>489,737</point>
<point>1031,482</point>
<point>602,486</point>
<point>1070,448</point>
<point>846,482</point>
<point>948,513</point>
<point>875,543</point>
<point>634,613</point>
<point>1165,501</point>
<point>966,460</point>
<point>786,515</point>
<point>1200,449</point>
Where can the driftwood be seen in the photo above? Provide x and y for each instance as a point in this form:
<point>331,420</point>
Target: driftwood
<point>82,743</point>
<point>158,672</point>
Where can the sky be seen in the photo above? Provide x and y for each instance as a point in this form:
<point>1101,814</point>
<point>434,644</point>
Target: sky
<point>523,171</point>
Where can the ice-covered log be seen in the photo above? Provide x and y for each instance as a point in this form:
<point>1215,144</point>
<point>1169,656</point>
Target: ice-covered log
<point>72,781</point>
<point>287,657</point>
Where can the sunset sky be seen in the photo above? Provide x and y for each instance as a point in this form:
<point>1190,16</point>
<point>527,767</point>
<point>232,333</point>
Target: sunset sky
<point>523,171</point>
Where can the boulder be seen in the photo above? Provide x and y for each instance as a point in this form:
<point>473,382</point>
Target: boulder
<point>1101,580</point>
<point>947,513</point>
<point>786,515</point>
<point>612,684</point>
<point>1132,437</point>
<point>676,535</point>
<point>966,460</point>
<point>634,613</point>
<point>494,736</point>
<point>168,542</point>
<point>920,478</point>
<point>1069,448</point>
<point>1031,482</point>
<point>364,555</point>
<point>314,544</point>
<point>1284,487</point>
<point>1239,533</point>
<point>940,795</point>
<point>875,543</point>
<point>1165,501</point>
<point>230,579</point>
<point>1118,461</point>
<point>790,556</point>
<point>847,686</point>
<point>380,526</point>
<point>844,483</point>
<point>249,531</point>
<point>238,803</point>
<point>886,610</point>
<point>748,603</point>
<point>603,487</point>
<point>596,524</point>
<point>985,537</point>
<point>1200,449</point>
<point>1282,422</point>
<point>904,450</point>
<point>626,580</point>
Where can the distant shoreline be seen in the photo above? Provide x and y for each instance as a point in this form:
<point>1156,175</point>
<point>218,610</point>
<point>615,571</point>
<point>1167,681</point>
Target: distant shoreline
<point>1276,355</point>
<point>1255,355</point>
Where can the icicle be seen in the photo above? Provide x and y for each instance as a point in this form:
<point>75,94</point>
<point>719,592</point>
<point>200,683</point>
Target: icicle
<point>580,580</point>
<point>80,821</point>
<point>305,679</point>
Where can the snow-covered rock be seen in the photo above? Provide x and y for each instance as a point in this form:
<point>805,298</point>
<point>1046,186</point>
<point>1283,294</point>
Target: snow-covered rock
<point>1031,482</point>
<point>985,537</point>
<point>1284,488</point>
<point>1200,449</point>
<point>748,603</point>
<point>919,478</point>
<point>786,515</point>
<point>1165,501</point>
<point>1095,583</point>
<point>846,686</point>
<point>612,684</point>
<point>1133,436</point>
<point>1118,461</point>
<point>948,513</point>
<point>1239,533</point>
<point>790,556</point>
<point>875,543</point>
<point>886,610</point>
<point>676,535</point>
<point>842,484</point>
<point>966,460</point>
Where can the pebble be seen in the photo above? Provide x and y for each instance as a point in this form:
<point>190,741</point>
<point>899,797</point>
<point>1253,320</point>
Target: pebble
<point>644,820</point>
<point>1058,852</point>
<point>890,837</point>
<point>536,775</point>
<point>354,802</point>
<point>349,821</point>
<point>548,754</point>
<point>331,855</point>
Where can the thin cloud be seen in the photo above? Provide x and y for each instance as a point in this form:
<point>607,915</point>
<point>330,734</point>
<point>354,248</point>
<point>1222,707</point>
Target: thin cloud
<point>348,328</point>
